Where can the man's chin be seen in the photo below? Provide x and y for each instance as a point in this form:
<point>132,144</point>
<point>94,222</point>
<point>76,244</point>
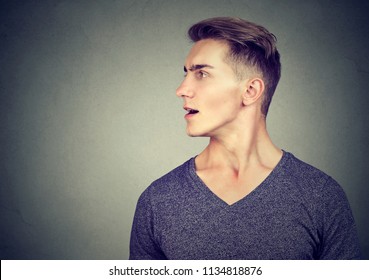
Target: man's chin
<point>192,133</point>
<point>195,134</point>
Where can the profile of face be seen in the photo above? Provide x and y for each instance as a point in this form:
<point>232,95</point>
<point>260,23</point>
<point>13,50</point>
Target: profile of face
<point>211,92</point>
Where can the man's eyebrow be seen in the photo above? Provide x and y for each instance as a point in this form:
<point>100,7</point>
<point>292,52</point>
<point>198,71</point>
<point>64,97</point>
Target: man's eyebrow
<point>195,67</point>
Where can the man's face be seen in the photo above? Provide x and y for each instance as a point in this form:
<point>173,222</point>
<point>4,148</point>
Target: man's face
<point>210,91</point>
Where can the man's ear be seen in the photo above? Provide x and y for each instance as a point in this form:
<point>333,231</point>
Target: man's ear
<point>254,89</point>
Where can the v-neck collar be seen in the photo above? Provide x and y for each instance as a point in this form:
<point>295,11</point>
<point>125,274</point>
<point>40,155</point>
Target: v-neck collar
<point>199,183</point>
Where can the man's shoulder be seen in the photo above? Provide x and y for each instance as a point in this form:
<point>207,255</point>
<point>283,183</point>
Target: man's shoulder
<point>299,168</point>
<point>309,177</point>
<point>176,175</point>
<point>171,182</point>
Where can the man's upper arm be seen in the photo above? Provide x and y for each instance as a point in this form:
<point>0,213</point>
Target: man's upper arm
<point>340,239</point>
<point>142,244</point>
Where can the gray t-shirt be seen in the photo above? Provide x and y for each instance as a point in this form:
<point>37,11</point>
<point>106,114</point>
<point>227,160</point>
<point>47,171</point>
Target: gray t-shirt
<point>297,212</point>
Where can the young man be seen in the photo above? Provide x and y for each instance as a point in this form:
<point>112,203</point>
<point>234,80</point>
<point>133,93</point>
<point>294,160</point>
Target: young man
<point>242,197</point>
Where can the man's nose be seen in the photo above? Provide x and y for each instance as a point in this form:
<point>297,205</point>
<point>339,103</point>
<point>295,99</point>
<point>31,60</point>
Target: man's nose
<point>184,90</point>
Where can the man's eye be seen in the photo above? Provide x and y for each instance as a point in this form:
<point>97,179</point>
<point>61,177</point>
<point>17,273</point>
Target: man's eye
<point>201,74</point>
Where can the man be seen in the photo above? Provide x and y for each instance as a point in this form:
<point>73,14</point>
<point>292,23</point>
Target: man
<point>242,197</point>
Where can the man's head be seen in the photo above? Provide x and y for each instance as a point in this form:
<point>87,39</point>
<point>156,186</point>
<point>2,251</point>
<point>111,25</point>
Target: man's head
<point>251,48</point>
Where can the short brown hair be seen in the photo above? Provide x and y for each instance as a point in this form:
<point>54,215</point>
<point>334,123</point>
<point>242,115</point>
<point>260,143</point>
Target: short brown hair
<point>250,45</point>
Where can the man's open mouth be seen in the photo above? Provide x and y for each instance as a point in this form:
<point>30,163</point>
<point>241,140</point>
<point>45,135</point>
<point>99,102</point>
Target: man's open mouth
<point>191,111</point>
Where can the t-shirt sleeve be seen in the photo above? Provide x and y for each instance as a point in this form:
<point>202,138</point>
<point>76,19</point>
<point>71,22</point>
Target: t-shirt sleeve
<point>143,245</point>
<point>339,234</point>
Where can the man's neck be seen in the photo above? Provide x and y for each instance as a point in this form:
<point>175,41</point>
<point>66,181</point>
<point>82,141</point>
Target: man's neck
<point>243,149</point>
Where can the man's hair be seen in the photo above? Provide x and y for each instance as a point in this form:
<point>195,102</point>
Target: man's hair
<point>251,46</point>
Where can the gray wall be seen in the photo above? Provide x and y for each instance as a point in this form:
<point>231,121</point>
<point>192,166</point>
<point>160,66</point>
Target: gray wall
<point>89,115</point>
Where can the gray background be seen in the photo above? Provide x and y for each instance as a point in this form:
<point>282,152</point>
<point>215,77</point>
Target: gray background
<point>89,116</point>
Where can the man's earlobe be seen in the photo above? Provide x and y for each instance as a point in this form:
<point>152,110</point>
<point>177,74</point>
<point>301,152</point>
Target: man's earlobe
<point>253,91</point>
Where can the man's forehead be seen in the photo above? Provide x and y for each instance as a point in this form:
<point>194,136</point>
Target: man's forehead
<point>206,52</point>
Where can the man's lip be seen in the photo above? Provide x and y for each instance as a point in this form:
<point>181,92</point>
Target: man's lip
<point>189,109</point>
<point>190,112</point>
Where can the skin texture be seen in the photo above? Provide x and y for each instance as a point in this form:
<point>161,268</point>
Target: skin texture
<point>240,154</point>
